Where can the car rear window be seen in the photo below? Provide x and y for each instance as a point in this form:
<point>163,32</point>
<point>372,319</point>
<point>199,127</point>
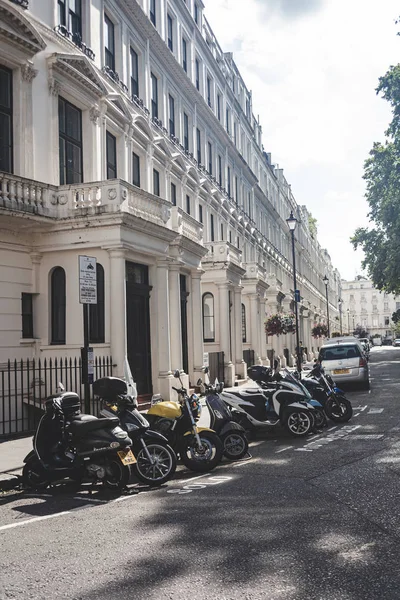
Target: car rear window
<point>339,352</point>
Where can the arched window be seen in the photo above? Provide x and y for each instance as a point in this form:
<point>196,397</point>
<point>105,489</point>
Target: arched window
<point>96,311</point>
<point>58,305</point>
<point>208,318</point>
<point>243,323</point>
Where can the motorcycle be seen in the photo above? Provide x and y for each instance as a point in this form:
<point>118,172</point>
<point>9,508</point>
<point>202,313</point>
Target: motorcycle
<point>272,403</point>
<point>155,459</point>
<point>200,448</point>
<point>71,445</point>
<point>322,387</point>
<point>232,435</point>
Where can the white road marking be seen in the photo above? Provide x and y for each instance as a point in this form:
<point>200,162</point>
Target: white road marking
<point>332,428</point>
<point>94,500</point>
<point>302,450</point>
<point>375,411</point>
<point>252,444</point>
<point>357,415</point>
<point>35,520</point>
<point>283,449</point>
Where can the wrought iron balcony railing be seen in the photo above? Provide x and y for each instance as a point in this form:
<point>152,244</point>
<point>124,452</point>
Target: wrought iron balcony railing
<point>76,39</point>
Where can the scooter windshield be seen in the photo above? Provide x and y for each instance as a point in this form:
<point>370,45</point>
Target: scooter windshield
<point>289,377</point>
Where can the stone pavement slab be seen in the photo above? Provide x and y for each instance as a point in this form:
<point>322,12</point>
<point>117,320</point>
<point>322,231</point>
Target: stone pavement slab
<point>12,454</point>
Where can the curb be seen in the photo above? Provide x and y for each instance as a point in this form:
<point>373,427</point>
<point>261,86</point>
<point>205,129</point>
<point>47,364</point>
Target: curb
<point>9,481</point>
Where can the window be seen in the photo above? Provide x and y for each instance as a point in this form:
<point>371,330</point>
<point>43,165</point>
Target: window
<point>201,213</point>
<point>198,138</point>
<point>196,14</point>
<point>170,25</point>
<point>229,182</point>
<point>61,13</point>
<point>236,190</point>
<point>173,194</point>
<point>386,306</point>
<point>154,96</point>
<point>109,43</point>
<point>96,311</point>
<point>212,235</point>
<point>209,92</point>
<point>243,323</point>
<point>210,159</point>
<point>235,133</point>
<point>186,132</point>
<point>58,305</point>
<point>70,142</point>
<point>153,12</point>
<point>111,148</point>
<point>387,320</point>
<point>75,17</point>
<point>27,315</point>
<point>6,120</point>
<point>219,170</point>
<point>219,107</point>
<point>208,318</point>
<point>156,182</point>
<point>134,73</point>
<point>184,54</point>
<point>222,232</point>
<point>171,105</point>
<point>228,116</point>
<point>197,74</point>
<point>237,242</point>
<point>188,204</point>
<point>135,169</point>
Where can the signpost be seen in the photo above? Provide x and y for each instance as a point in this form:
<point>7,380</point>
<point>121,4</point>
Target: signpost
<point>87,295</point>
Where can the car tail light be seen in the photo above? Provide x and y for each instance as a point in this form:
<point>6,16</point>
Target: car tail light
<point>363,362</point>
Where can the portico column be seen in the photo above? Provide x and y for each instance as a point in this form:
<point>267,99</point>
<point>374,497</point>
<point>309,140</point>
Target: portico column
<point>117,310</point>
<point>163,329</point>
<point>197,322</point>
<point>240,365</point>
<point>175,317</point>
<point>255,326</point>
<point>224,332</point>
<point>263,337</point>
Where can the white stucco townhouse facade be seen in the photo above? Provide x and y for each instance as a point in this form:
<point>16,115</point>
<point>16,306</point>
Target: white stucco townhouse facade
<point>127,134</point>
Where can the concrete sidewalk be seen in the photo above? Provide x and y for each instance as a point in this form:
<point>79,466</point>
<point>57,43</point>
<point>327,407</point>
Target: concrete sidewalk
<point>12,454</point>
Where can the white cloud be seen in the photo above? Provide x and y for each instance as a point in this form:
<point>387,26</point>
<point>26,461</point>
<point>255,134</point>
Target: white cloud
<point>313,73</point>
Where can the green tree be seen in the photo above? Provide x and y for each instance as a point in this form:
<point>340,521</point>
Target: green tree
<point>381,243</point>
<point>360,332</point>
<point>312,224</point>
<point>396,317</point>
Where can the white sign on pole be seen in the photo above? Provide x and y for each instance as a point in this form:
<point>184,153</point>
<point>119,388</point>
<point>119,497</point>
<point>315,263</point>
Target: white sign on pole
<point>205,359</point>
<point>87,280</point>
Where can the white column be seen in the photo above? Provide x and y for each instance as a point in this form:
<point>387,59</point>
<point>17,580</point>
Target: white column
<point>263,337</point>
<point>224,333</point>
<point>175,317</point>
<point>163,329</point>
<point>117,310</point>
<point>255,327</point>
<point>240,365</point>
<point>197,322</point>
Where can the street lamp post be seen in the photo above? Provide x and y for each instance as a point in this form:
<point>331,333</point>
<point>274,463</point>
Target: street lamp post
<point>348,320</point>
<point>340,302</point>
<point>326,281</point>
<point>292,222</point>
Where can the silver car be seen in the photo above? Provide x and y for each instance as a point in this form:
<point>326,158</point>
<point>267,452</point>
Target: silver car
<point>345,362</point>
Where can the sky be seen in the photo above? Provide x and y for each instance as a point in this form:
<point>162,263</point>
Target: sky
<point>313,67</point>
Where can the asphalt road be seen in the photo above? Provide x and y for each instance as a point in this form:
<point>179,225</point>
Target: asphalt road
<point>312,519</point>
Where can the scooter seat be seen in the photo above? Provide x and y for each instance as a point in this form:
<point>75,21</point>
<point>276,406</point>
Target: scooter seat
<point>82,426</point>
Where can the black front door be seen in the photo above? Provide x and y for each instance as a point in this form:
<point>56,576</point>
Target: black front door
<point>184,326</point>
<point>138,325</point>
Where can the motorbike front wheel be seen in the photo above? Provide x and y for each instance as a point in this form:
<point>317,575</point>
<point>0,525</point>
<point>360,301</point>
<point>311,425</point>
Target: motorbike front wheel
<point>159,468</point>
<point>235,445</point>
<point>339,409</point>
<point>320,418</point>
<point>33,476</point>
<point>117,474</point>
<point>204,458</point>
<point>299,422</point>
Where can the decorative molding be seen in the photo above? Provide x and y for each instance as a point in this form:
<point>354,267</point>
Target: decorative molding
<point>28,73</point>
<point>94,114</point>
<point>54,86</point>
<point>112,194</point>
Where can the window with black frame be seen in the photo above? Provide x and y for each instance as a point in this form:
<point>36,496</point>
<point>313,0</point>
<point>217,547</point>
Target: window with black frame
<point>244,333</point>
<point>154,96</point>
<point>70,142</point>
<point>75,17</point>
<point>6,120</point>
<point>170,32</point>
<point>109,43</point>
<point>111,148</point>
<point>27,315</point>
<point>135,169</point>
<point>208,318</point>
<point>171,110</point>
<point>153,15</point>
<point>156,182</point>
<point>186,132</point>
<point>96,311</point>
<point>58,299</point>
<point>134,73</point>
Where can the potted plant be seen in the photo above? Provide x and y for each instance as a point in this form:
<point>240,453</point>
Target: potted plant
<point>319,331</point>
<point>280,324</point>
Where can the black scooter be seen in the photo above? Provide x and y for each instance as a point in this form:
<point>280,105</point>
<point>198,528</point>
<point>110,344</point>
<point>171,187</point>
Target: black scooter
<point>71,445</point>
<point>322,387</point>
<point>155,459</point>
<point>232,435</point>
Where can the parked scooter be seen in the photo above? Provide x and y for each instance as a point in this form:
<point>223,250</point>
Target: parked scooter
<point>322,387</point>
<point>279,404</point>
<point>232,435</point>
<point>71,445</point>
<point>200,448</point>
<point>155,459</point>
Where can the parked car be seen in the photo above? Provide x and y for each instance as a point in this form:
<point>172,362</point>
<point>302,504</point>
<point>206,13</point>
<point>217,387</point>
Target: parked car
<point>387,341</point>
<point>396,342</point>
<point>344,360</point>
<point>365,341</point>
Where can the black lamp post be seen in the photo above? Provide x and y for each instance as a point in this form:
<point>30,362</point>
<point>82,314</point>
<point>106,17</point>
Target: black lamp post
<point>326,281</point>
<point>292,222</point>
<point>340,302</point>
<point>348,320</point>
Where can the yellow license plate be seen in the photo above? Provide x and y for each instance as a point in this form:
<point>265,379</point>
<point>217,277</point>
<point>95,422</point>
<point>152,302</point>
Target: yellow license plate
<point>341,371</point>
<point>127,457</point>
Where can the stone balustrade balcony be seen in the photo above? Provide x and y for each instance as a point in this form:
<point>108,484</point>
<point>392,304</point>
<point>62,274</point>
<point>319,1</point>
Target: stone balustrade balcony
<point>21,195</point>
<point>186,225</point>
<point>223,252</point>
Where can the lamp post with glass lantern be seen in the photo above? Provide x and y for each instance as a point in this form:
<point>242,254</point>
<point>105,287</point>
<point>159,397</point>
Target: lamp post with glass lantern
<point>348,320</point>
<point>292,222</point>
<point>326,281</point>
<point>340,302</point>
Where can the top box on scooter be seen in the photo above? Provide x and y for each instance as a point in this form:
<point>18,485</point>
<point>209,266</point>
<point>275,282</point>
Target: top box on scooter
<point>109,388</point>
<point>260,373</point>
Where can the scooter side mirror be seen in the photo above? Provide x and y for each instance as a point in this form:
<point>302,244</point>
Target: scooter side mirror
<point>199,381</point>
<point>205,369</point>
<point>60,388</point>
<point>177,374</point>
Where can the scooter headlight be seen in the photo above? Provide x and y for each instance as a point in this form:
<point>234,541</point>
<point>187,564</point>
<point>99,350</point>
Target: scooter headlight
<point>131,427</point>
<point>119,433</point>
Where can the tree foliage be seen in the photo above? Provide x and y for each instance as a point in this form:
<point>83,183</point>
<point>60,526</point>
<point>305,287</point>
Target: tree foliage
<point>396,317</point>
<point>312,224</point>
<point>381,243</point>
<point>360,332</point>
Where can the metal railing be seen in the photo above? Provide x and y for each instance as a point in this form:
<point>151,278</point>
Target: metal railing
<point>25,385</point>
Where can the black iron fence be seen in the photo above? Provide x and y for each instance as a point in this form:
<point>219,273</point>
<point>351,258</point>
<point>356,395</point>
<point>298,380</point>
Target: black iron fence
<point>248,357</point>
<point>216,366</point>
<point>24,386</point>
